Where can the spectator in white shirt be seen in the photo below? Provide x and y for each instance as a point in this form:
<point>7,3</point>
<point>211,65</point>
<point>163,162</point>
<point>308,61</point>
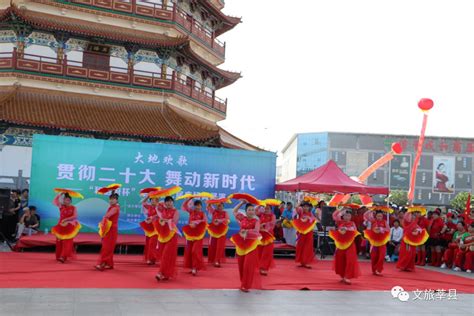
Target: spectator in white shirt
<point>396,235</point>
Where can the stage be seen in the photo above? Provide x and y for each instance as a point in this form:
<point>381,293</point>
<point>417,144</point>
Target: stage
<point>41,270</point>
<point>123,242</point>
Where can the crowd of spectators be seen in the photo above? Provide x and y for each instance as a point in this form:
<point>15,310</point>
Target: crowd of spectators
<point>451,242</point>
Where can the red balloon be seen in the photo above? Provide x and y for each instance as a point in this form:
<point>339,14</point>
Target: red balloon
<point>397,148</point>
<point>425,104</point>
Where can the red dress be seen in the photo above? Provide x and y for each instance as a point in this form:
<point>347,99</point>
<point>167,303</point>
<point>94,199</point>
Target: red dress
<point>410,241</point>
<point>436,227</point>
<point>193,257</point>
<point>305,239</point>
<point>378,243</point>
<point>217,229</point>
<point>168,239</point>
<point>469,261</point>
<point>110,239</point>
<point>246,243</point>
<point>345,258</point>
<point>65,233</point>
<point>451,255</point>
<point>358,219</point>
<point>150,253</point>
<point>267,221</point>
<point>441,179</point>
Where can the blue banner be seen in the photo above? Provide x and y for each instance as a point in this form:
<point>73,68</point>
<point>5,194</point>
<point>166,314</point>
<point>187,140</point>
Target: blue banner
<point>85,165</point>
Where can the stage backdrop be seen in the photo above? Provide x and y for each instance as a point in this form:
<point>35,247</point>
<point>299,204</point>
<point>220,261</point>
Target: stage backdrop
<point>85,165</point>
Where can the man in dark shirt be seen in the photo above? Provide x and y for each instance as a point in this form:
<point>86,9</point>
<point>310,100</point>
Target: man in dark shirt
<point>10,217</point>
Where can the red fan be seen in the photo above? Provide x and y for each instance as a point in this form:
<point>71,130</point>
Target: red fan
<point>111,187</point>
<point>218,201</point>
<point>352,206</point>
<point>148,190</point>
<point>245,196</point>
<point>165,192</point>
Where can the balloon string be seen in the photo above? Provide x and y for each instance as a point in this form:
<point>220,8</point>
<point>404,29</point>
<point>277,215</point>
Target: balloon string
<point>376,165</point>
<point>340,198</point>
<point>411,191</point>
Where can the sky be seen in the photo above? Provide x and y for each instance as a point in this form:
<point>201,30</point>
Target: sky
<point>348,66</point>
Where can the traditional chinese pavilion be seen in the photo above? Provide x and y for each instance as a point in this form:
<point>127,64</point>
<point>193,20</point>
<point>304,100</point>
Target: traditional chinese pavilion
<point>138,70</point>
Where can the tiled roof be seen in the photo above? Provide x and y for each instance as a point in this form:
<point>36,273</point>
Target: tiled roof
<point>228,76</point>
<point>88,113</point>
<point>229,22</point>
<point>87,28</point>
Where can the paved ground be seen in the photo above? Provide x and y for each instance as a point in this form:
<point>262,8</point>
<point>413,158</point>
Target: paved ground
<point>91,302</point>
<point>450,271</point>
<point>222,302</point>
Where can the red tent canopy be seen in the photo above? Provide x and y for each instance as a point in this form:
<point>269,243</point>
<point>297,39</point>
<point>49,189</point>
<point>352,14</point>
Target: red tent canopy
<point>328,178</point>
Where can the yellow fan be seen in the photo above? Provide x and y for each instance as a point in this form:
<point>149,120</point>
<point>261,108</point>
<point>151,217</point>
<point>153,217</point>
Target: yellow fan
<point>417,208</point>
<point>382,208</point>
<point>311,200</point>
<point>72,193</point>
<point>271,202</point>
<point>104,227</point>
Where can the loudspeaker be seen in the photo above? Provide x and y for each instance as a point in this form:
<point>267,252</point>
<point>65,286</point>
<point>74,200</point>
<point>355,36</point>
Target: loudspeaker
<point>326,216</point>
<point>4,200</point>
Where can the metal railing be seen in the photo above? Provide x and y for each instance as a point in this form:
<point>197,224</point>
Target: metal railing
<point>113,75</point>
<point>161,11</point>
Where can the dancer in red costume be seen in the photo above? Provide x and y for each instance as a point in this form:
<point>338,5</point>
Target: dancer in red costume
<point>167,219</point>
<point>435,241</point>
<point>423,223</point>
<point>413,236</point>
<point>194,233</point>
<point>378,235</point>
<point>151,252</point>
<point>267,224</point>
<point>304,223</point>
<point>217,229</point>
<point>246,242</point>
<point>453,248</point>
<point>345,258</point>
<point>108,229</point>
<point>67,228</point>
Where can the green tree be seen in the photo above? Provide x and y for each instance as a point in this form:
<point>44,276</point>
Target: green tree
<point>460,200</point>
<point>355,199</point>
<point>399,197</point>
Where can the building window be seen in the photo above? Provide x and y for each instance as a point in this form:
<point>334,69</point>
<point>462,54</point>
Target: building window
<point>147,69</point>
<point>38,52</point>
<point>97,57</point>
<point>6,48</point>
<point>118,65</point>
<point>197,86</point>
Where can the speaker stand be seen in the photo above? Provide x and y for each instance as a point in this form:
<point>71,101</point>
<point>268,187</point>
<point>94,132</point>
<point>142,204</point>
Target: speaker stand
<point>323,244</point>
